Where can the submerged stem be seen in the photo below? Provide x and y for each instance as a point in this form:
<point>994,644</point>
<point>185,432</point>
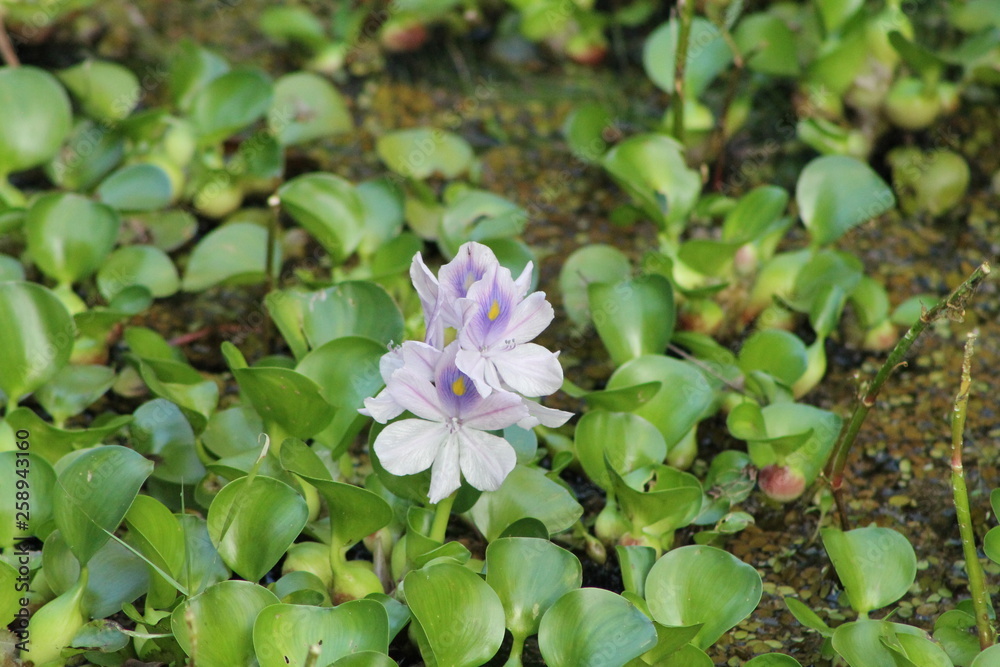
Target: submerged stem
<point>954,307</point>
<point>977,581</point>
<point>442,512</point>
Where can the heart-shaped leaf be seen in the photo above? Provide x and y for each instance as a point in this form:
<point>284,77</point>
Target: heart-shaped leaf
<point>215,627</point>
<point>137,187</point>
<point>234,253</point>
<point>73,389</point>
<point>702,584</point>
<point>103,146</point>
<point>593,626</point>
<point>229,103</point>
<point>883,644</point>
<point>284,633</point>
<point>157,534</point>
<point>527,594</point>
<point>203,566</point>
<point>142,265</point>
<point>306,107</point>
<point>161,432</point>
<point>708,54</point>
<point>819,193</point>
<point>253,522</point>
<point>69,236</point>
<point>628,440</point>
<point>93,493</point>
<point>460,615</point>
<point>876,565</point>
<point>35,117</point>
<point>106,91</point>
<point>329,208</point>
<point>657,500</point>
<point>526,492</point>
<point>778,353</point>
<point>422,152</point>
<point>633,317</point>
<point>770,44</point>
<point>286,397</point>
<point>595,263</point>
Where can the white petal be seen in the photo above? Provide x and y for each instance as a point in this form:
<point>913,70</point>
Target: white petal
<point>486,459</point>
<point>416,394</point>
<point>529,369</point>
<point>523,281</point>
<point>472,363</point>
<point>428,290</point>
<point>410,446</point>
<point>539,414</point>
<point>420,357</point>
<point>530,318</point>
<point>445,477</point>
<point>500,410</point>
<point>382,408</point>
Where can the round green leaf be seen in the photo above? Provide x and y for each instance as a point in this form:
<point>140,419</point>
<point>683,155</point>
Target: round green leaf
<point>778,353</point>
<point>883,644</point>
<point>595,627</point>
<point>383,205</point>
<point>818,430</point>
<point>988,658</point>
<point>773,660</point>
<point>156,533</point>
<point>52,443</point>
<point>161,432</point>
<point>628,440</point>
<point>69,236</point>
<point>585,131</point>
<point>137,187</point>
<point>597,263</point>
<point>215,628</point>
<point>10,269</point>
<point>91,151</point>
<point>365,659</point>
<point>138,265</point>
<point>37,473</point>
<point>527,594</point>
<point>286,397</point>
<point>478,215</point>
<point>657,500</point>
<point>203,566</point>
<point>233,431</point>
<point>329,208</point>
<point>702,584</point>
<point>191,69</point>
<point>682,399</point>
<point>354,512</point>
<point>876,565</point>
<point>179,383</point>
<point>306,107</point>
<point>769,43</point>
<point>461,616</point>
<point>284,633</point>
<point>756,214</point>
<point>93,493</point>
<point>633,317</point>
<point>35,117</point>
<point>9,604</point>
<point>708,54</point>
<point>819,193</point>
<point>234,253</point>
<point>106,91</point>
<point>229,103</point>
<point>422,152</point>
<point>73,389</point>
<point>526,492</point>
<point>252,523</point>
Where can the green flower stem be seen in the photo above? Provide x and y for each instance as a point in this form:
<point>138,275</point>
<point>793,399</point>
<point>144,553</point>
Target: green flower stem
<point>442,512</point>
<point>685,9</point>
<point>516,649</point>
<point>977,581</point>
<point>954,307</point>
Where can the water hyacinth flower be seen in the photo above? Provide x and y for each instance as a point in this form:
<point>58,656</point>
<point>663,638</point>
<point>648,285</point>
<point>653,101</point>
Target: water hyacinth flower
<point>477,383</point>
<point>449,434</point>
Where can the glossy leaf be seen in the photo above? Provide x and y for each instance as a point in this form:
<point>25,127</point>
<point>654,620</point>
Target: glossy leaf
<point>708,54</point>
<point>253,522</point>
<point>778,353</point>
<point>628,440</point>
<point>365,659</point>
<point>773,660</point>
<point>161,432</point>
<point>69,236</point>
<point>526,492</point>
<point>137,187</point>
<point>35,117</point>
<point>93,493</point>
<point>106,91</point>
<point>702,584</point>
<point>988,658</point>
<point>883,644</point>
<point>286,397</point>
<point>52,443</point>
<point>593,626</point>
<point>9,604</point>
<point>232,431</point>
<point>73,389</point>
<point>354,512</point>
<point>819,193</point>
<point>595,263</point>
<point>633,317</point>
<point>234,253</point>
<point>306,107</point>
<point>814,429</point>
<point>229,103</point>
<point>157,534</point>
<point>329,208</point>
<point>756,214</point>
<point>284,633</point>
<point>478,215</point>
<point>215,627</point>
<point>527,594</point>
<point>586,129</point>
<point>203,566</point>
<point>876,565</point>
<point>41,480</point>
<point>460,615</point>
<point>658,499</point>
<point>181,384</point>
<point>422,152</point>
<point>103,147</point>
<point>625,399</point>
<point>138,265</point>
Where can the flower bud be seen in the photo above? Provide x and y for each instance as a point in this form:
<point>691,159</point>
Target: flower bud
<point>781,483</point>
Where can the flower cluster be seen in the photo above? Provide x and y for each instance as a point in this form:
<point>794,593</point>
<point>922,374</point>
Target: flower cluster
<point>481,381</point>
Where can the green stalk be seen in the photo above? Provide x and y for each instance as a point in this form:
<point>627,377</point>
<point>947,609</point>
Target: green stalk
<point>7,52</point>
<point>442,512</point>
<point>515,652</point>
<point>954,307</point>
<point>685,10</point>
<point>977,581</point>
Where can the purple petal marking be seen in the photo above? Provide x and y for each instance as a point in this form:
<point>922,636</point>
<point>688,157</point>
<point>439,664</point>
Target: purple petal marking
<point>500,410</point>
<point>416,394</point>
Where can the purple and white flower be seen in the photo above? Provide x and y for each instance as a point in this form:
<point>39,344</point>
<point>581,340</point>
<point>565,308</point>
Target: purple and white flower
<point>449,434</point>
<point>418,357</point>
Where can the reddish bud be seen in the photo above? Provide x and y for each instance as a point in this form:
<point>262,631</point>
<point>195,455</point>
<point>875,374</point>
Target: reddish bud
<point>781,483</point>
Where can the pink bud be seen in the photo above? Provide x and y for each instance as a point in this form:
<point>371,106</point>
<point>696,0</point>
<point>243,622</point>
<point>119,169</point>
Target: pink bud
<point>781,483</point>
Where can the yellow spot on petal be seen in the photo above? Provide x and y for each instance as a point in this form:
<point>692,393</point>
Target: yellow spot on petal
<point>458,386</point>
<point>494,311</point>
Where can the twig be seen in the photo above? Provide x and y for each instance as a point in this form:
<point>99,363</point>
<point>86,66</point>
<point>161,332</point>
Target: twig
<point>7,51</point>
<point>954,307</point>
<point>977,581</point>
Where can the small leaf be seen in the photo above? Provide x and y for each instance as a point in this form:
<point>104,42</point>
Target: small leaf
<point>286,397</point>
<point>306,107</point>
<point>825,211</point>
<point>626,399</point>
<point>778,353</point>
<point>807,617</point>
<point>137,187</point>
<point>329,208</point>
<point>702,584</point>
<point>526,492</point>
<point>93,493</point>
<point>284,633</point>
<point>769,45</point>
<point>708,55</point>
<point>234,253</point>
<point>73,389</point>
<point>633,317</point>
<point>773,660</point>
<point>586,130</point>
<point>876,565</point>
<point>141,265</point>
<point>252,524</point>
<point>229,103</point>
<point>594,263</point>
<point>479,216</point>
<point>460,615</point>
<point>215,627</point>
<point>422,152</point>
<point>69,236</point>
<point>161,432</point>
<point>593,626</point>
<point>628,440</point>
<point>35,117</point>
<point>106,91</point>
